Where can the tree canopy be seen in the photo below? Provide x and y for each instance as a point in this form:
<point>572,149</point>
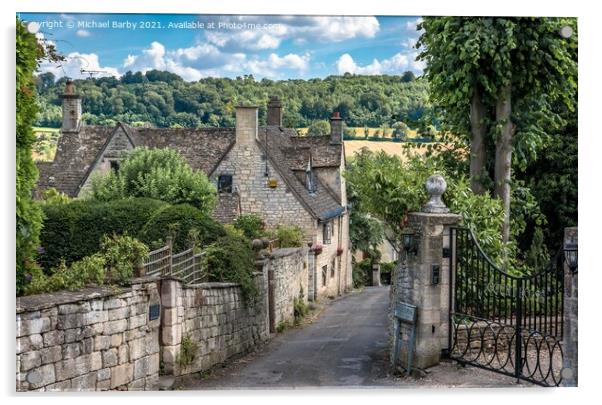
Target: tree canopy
<point>163,99</point>
<point>161,174</point>
<point>500,83</point>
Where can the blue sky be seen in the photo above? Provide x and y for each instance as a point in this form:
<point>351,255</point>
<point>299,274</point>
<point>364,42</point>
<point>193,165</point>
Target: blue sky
<point>197,46</point>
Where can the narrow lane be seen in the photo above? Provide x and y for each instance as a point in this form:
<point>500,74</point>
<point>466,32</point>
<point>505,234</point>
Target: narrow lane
<point>346,346</point>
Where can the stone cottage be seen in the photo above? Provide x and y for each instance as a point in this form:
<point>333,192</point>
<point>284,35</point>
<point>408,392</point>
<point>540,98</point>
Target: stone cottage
<point>270,171</point>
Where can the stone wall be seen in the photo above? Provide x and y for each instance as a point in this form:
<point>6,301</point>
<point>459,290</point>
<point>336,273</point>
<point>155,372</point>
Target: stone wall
<point>289,280</point>
<point>570,377</point>
<point>411,283</point>
<point>102,338</point>
<point>94,339</point>
<point>215,318</point>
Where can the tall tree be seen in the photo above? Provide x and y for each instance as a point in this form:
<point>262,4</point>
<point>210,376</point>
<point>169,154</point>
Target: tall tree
<point>479,67</point>
<point>29,215</point>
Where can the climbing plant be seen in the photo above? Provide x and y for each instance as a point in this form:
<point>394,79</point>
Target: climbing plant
<point>28,214</point>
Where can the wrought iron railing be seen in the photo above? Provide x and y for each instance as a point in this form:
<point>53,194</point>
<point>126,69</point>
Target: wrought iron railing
<point>502,322</point>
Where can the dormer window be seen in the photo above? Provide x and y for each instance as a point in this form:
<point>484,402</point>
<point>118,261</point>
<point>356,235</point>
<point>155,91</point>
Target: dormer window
<point>310,179</point>
<point>224,183</point>
<point>327,232</point>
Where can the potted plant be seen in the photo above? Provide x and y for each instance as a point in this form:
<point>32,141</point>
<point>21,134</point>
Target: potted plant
<point>340,251</point>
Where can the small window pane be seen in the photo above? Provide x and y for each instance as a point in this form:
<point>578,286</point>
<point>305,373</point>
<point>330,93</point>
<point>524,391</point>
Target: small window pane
<point>224,183</point>
<point>327,233</point>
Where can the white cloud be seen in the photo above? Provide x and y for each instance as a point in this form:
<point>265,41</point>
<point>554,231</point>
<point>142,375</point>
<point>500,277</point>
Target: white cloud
<point>346,64</point>
<point>413,25</point>
<point>75,62</point>
<point>409,42</point>
<point>83,33</point>
<point>269,67</point>
<point>299,28</point>
<point>196,62</point>
<point>151,58</point>
<point>396,64</point>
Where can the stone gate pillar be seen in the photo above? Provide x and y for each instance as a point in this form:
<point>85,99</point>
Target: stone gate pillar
<point>422,279</point>
<point>569,341</point>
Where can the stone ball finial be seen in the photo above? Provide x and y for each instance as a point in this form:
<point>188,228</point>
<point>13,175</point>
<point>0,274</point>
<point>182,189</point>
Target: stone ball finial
<point>435,187</point>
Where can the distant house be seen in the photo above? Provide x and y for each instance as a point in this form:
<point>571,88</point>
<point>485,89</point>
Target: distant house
<point>270,171</point>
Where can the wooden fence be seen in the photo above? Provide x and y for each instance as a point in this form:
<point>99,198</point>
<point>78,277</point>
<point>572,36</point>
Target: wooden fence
<point>186,265</point>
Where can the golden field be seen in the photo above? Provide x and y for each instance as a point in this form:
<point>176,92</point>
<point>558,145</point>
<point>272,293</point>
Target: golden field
<point>392,148</point>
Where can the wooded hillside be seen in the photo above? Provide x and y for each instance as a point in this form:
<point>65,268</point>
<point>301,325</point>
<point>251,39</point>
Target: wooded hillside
<point>163,99</point>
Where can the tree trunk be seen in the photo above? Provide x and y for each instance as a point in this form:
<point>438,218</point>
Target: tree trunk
<point>503,154</point>
<point>477,143</point>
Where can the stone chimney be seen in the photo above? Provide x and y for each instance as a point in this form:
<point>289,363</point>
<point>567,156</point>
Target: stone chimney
<point>336,129</point>
<point>72,109</point>
<point>274,111</point>
<point>246,124</point>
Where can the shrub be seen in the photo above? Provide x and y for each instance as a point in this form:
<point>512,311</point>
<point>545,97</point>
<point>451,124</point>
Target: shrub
<point>300,308</point>
<point>88,270</point>
<point>289,236</point>
<point>188,349</point>
<point>53,196</point>
<point>75,229</point>
<point>180,222</point>
<point>252,225</point>
<point>122,254</point>
<point>161,174</point>
<point>231,259</point>
<point>114,263</point>
<point>360,271</point>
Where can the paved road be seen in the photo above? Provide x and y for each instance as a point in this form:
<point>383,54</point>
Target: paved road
<point>345,346</point>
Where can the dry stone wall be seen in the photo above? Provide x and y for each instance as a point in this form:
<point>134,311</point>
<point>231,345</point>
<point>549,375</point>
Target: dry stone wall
<point>289,280</point>
<point>215,320</point>
<point>95,339</point>
<point>105,338</point>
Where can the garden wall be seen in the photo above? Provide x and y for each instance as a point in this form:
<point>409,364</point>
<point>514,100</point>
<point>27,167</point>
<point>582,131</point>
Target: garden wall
<point>108,338</point>
<point>289,280</point>
<point>214,319</point>
<point>93,339</point>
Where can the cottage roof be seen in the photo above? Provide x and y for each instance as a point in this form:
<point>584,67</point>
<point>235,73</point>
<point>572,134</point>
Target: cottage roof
<point>203,148</point>
<point>280,148</point>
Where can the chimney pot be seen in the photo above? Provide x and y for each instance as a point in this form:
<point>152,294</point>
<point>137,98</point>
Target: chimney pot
<point>336,128</point>
<point>246,124</point>
<point>274,111</point>
<point>72,108</point>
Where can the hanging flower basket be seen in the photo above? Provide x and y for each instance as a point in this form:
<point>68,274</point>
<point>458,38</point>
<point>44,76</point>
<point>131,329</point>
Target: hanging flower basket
<point>317,249</point>
<point>340,251</point>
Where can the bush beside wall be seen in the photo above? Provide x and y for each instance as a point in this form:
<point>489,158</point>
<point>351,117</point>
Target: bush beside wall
<point>75,230</point>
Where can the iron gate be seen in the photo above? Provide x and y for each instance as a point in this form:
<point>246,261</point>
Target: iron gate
<point>504,323</point>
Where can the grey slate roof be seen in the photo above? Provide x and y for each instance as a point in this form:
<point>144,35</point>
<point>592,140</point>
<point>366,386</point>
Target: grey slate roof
<point>203,148</point>
<point>281,147</point>
<point>76,153</point>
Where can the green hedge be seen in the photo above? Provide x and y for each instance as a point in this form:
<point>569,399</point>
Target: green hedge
<point>74,230</point>
<point>230,258</point>
<point>184,222</point>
